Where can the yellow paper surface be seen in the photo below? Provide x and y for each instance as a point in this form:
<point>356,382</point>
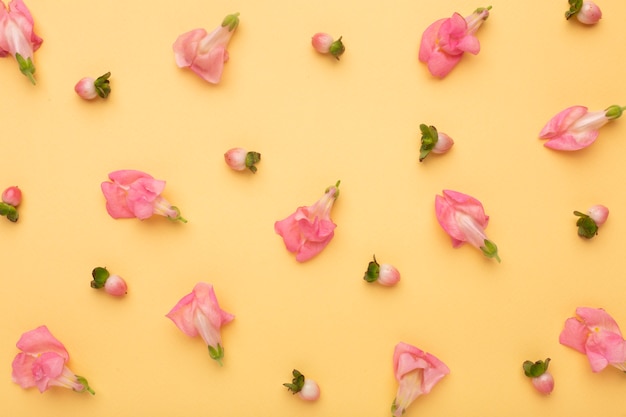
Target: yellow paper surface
<point>315,120</point>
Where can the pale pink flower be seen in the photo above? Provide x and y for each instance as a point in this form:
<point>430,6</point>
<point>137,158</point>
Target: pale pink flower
<point>325,44</point>
<point>417,373</point>
<point>307,231</point>
<point>586,11</point>
<point>433,141</point>
<point>240,159</point>
<point>42,363</point>
<point>17,37</point>
<point>199,313</point>
<point>88,88</point>
<point>133,193</point>
<point>464,219</point>
<point>576,128</point>
<point>445,41</point>
<point>385,274</point>
<point>589,223</point>
<point>205,53</point>
<point>596,334</point>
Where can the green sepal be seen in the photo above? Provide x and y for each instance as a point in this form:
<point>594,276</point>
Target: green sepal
<point>83,381</point>
<point>574,7</point>
<point>337,187</point>
<point>252,158</point>
<point>373,271</point>
<point>100,276</point>
<point>535,369</point>
<point>102,85</point>
<point>217,353</point>
<point>429,140</point>
<point>26,67</point>
<point>337,48</point>
<point>613,112</point>
<point>296,383</point>
<point>9,211</point>
<point>232,21</point>
<point>178,217</point>
<point>587,228</point>
<point>490,250</point>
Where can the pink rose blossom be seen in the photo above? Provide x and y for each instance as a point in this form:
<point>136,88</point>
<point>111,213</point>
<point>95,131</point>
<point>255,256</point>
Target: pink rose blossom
<point>385,274</point>
<point>586,11</point>
<point>576,128</point>
<point>42,363</point>
<point>325,44</point>
<point>417,373</point>
<point>433,141</point>
<point>17,37</point>
<point>240,159</point>
<point>205,53</point>
<point>199,313</point>
<point>133,193</point>
<point>589,223</point>
<point>307,231</point>
<point>445,41</point>
<point>594,333</point>
<point>464,219</point>
<point>88,88</point>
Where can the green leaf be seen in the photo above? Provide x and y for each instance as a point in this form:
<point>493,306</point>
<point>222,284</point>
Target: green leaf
<point>373,271</point>
<point>429,139</point>
<point>100,276</point>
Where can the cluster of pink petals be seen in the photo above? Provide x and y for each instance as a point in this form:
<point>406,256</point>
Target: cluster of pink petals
<point>199,313</point>
<point>309,229</point>
<point>42,363</point>
<point>131,193</point>
<point>417,373</point>
<point>576,127</point>
<point>464,220</point>
<point>596,334</point>
<point>446,40</point>
<point>205,53</point>
<point>17,37</point>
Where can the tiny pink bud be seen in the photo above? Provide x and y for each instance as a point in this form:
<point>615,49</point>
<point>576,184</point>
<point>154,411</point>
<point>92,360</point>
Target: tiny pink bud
<point>12,196</point>
<point>310,390</point>
<point>544,383</point>
<point>444,143</point>
<point>115,285</point>
<point>321,42</point>
<point>589,13</point>
<point>388,275</point>
<point>240,159</point>
<point>86,88</point>
<point>598,214</point>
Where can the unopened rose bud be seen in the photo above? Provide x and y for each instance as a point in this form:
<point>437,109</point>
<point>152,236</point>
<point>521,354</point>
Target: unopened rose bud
<point>589,13</point>
<point>12,196</point>
<point>88,88</point>
<point>239,159</point>
<point>589,223</point>
<point>115,285</point>
<point>325,44</point>
<point>384,274</point>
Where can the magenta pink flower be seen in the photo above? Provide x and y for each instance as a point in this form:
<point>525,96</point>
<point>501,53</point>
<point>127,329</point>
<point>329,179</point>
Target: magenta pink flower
<point>595,333</point>
<point>17,37</point>
<point>42,363</point>
<point>133,193</point>
<point>205,53</point>
<point>325,44</point>
<point>88,88</point>
<point>417,372</point>
<point>445,41</point>
<point>307,231</point>
<point>586,11</point>
<point>464,219</point>
<point>576,128</point>
<point>199,313</point>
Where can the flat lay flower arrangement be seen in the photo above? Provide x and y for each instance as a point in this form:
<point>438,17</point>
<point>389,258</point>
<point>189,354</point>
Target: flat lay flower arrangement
<point>222,201</point>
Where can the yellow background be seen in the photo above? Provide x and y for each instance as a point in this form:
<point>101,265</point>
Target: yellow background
<point>315,121</point>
